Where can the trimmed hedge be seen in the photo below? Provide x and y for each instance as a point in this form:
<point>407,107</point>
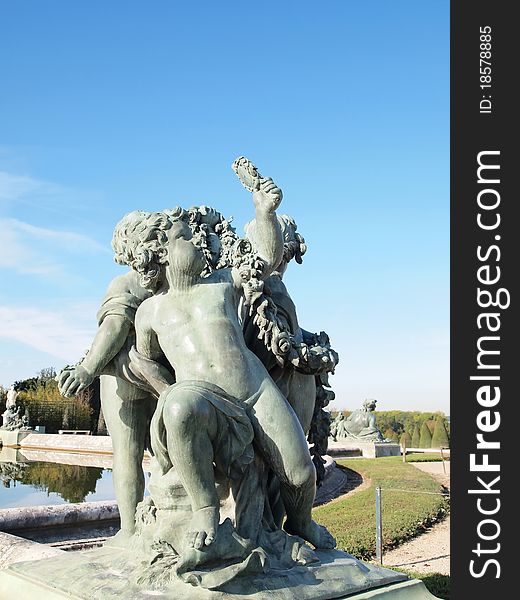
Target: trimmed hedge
<point>426,436</point>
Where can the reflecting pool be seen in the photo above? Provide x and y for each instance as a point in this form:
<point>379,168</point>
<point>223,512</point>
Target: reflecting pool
<point>39,483</point>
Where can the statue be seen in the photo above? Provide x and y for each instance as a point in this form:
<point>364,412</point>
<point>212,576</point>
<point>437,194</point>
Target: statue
<point>359,425</point>
<point>12,421</point>
<point>12,395</point>
<point>202,359</point>
<point>9,416</point>
<point>194,321</point>
<point>214,395</point>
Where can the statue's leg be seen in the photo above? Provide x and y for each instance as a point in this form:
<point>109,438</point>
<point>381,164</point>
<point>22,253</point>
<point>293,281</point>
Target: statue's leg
<point>302,397</point>
<point>191,426</point>
<point>127,412</point>
<point>280,437</point>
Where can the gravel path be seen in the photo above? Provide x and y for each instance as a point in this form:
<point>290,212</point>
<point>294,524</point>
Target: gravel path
<point>429,552</point>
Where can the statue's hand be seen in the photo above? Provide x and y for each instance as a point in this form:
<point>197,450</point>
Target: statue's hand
<point>267,196</point>
<point>73,380</point>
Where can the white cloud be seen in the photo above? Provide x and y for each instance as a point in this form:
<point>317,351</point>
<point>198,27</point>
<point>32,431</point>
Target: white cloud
<point>65,238</point>
<point>28,249</point>
<point>65,334</point>
<point>14,187</point>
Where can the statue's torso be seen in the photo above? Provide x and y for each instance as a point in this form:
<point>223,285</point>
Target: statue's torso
<point>200,334</point>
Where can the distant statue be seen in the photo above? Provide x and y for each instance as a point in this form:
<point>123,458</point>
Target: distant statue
<point>11,419</point>
<point>360,425</point>
<point>12,395</point>
<point>9,416</point>
<point>337,427</point>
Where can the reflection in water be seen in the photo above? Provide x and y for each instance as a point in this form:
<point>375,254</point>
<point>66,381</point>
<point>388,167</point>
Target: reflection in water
<point>71,482</point>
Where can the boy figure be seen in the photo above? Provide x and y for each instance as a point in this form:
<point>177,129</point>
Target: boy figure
<point>127,408</point>
<point>193,322</point>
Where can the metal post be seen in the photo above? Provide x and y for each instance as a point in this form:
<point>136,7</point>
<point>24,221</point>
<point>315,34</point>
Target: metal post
<point>379,527</point>
<point>443,465</point>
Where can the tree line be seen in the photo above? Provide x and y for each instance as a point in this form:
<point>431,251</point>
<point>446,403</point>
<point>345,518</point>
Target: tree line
<point>413,429</point>
<point>41,401</point>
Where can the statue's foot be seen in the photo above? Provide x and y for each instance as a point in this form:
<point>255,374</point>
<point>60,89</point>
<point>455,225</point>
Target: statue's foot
<point>120,539</point>
<point>311,532</point>
<point>228,545</point>
<point>203,527</point>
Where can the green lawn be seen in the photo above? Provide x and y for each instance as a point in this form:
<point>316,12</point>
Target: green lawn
<point>405,515</point>
<point>425,457</point>
<point>437,584</point>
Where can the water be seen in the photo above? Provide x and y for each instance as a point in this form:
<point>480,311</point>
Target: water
<point>36,483</point>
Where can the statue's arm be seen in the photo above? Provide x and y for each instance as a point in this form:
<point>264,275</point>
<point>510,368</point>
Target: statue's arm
<point>264,231</point>
<point>145,357</point>
<point>108,341</point>
<point>146,343</point>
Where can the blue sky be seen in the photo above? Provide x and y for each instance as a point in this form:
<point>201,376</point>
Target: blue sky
<point>110,107</point>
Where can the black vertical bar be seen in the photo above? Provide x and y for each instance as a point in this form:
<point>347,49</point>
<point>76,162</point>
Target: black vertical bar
<point>483,120</point>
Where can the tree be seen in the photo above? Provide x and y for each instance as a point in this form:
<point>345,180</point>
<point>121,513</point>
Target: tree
<point>406,440</point>
<point>416,437</point>
<point>26,384</point>
<point>390,434</point>
<point>431,424</point>
<point>440,435</point>
<point>3,397</point>
<point>426,436</point>
<point>46,374</point>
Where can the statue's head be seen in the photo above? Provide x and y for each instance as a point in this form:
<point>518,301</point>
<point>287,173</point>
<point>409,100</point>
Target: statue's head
<point>149,242</point>
<point>293,243</point>
<point>369,404</point>
<point>214,235</point>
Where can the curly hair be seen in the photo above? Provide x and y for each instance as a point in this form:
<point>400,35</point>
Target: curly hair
<point>139,241</point>
<point>293,243</point>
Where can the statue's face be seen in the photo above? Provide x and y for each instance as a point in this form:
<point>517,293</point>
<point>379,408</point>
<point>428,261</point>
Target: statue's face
<point>183,255</point>
<point>179,230</point>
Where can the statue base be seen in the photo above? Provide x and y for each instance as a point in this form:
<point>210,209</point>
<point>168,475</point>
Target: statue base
<point>367,449</point>
<point>109,573</point>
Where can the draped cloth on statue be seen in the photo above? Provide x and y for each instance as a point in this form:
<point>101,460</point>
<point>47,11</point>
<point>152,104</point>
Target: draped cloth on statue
<point>124,305</point>
<point>248,542</point>
<point>233,447</point>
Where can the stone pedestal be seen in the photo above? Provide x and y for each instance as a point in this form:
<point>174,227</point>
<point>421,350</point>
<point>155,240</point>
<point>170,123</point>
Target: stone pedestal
<point>377,449</point>
<point>13,438</point>
<point>352,447</point>
<point>109,574</point>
